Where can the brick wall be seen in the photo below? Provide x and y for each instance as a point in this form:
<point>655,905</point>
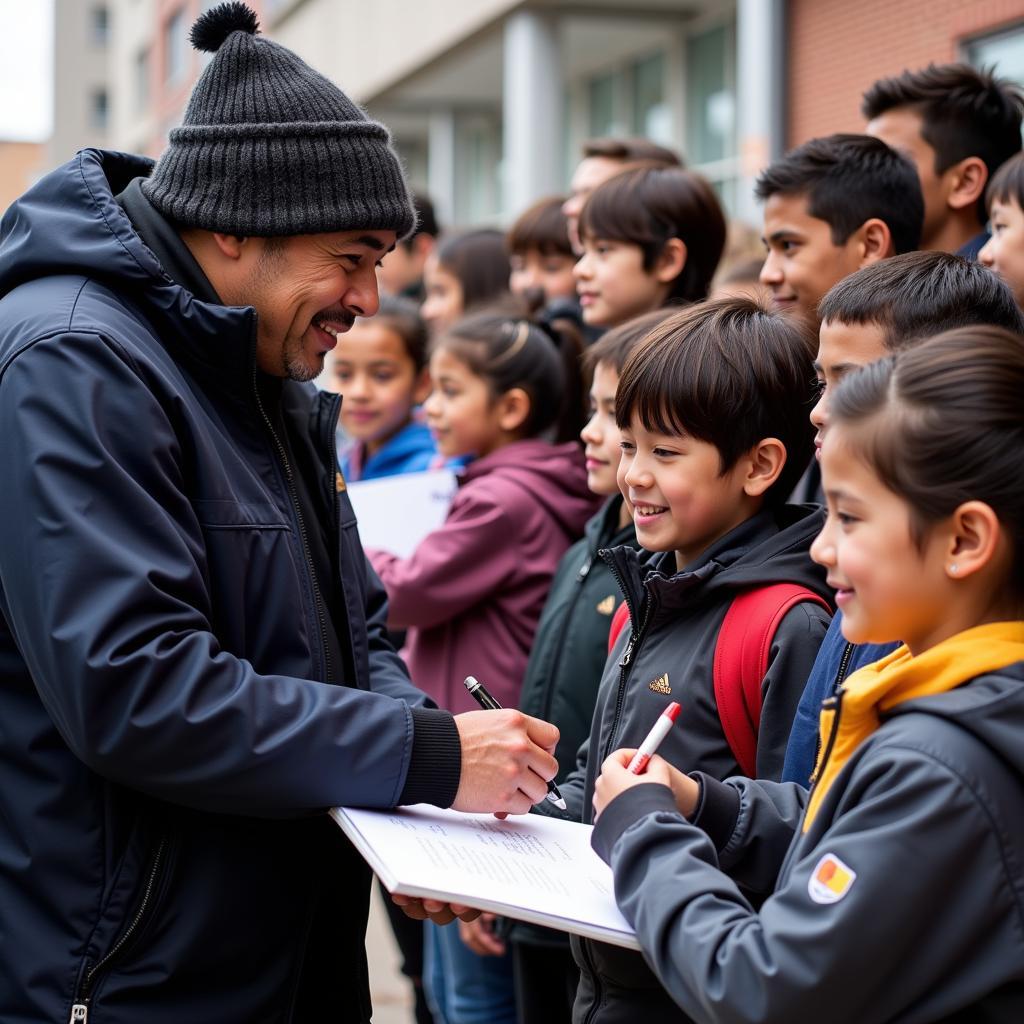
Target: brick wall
<point>837,48</point>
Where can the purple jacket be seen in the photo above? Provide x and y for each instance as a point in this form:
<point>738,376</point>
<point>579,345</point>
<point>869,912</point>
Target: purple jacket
<point>472,593</point>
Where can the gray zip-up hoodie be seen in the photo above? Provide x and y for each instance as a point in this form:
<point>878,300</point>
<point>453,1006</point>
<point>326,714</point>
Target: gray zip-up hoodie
<point>903,902</point>
<point>670,657</point>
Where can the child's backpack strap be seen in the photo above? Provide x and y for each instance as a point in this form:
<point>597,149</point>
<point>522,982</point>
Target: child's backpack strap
<point>741,661</point>
<point>618,624</point>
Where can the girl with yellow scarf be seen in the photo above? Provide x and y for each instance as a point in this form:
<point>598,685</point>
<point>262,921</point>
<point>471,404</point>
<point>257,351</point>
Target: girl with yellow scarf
<point>894,890</point>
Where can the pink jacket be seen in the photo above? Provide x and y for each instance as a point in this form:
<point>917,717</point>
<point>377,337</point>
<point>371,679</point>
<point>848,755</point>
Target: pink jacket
<point>472,592</point>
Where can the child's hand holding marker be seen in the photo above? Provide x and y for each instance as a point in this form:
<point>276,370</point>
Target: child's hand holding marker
<point>624,769</point>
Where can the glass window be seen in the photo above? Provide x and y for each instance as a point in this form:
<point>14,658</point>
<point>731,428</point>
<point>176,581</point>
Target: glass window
<point>652,116</point>
<point>100,25</point>
<point>99,111</point>
<point>175,50</point>
<point>710,96</point>
<point>478,169</point>
<point>605,96</point>
<point>142,80</point>
<point>1004,51</point>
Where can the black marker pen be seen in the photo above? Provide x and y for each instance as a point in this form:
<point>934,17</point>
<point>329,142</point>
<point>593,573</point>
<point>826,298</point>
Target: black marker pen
<point>488,703</point>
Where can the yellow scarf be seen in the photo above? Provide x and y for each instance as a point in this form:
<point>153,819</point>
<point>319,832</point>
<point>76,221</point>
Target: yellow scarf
<point>901,677</point>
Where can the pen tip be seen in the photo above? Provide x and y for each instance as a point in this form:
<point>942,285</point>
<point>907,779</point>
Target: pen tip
<point>469,682</point>
<point>558,802</point>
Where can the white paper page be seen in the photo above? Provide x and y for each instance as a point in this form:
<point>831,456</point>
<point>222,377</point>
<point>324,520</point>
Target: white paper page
<point>397,512</point>
<point>536,868</point>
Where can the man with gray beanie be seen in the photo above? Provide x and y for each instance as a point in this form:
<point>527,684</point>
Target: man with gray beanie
<point>193,661</point>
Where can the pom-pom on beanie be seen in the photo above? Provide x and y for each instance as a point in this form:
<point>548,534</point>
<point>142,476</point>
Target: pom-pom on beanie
<point>270,147</point>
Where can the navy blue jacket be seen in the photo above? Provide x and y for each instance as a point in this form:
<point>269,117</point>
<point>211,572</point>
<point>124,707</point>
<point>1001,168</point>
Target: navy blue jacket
<point>167,738</point>
<point>837,658</point>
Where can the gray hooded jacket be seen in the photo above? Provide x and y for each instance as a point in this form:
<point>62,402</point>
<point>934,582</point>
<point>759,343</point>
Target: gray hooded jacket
<point>903,902</point>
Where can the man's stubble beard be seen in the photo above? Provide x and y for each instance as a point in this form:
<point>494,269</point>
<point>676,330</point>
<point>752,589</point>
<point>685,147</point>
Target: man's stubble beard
<point>295,366</point>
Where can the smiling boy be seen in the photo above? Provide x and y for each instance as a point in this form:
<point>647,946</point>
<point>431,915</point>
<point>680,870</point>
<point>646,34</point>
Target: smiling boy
<point>713,413</point>
<point>879,310</point>
<point>832,206</point>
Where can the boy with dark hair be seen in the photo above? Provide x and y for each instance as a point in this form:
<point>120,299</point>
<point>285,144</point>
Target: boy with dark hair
<point>882,309</point>
<point>604,158</point>
<point>712,408</point>
<point>541,255</point>
<point>957,124</point>
<point>834,205</point>
<point>567,661</point>
<point>1004,251</point>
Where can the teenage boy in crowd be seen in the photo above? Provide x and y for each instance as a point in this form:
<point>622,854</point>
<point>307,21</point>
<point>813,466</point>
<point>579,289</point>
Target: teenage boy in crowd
<point>831,206</point>
<point>957,125</point>
<point>712,408</point>
<point>603,159</point>
<point>882,309</point>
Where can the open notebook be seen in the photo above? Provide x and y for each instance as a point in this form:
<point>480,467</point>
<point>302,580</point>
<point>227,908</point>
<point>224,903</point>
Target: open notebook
<point>529,867</point>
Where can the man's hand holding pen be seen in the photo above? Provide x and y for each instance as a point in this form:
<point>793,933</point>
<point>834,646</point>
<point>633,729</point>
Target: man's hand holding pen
<point>507,760</point>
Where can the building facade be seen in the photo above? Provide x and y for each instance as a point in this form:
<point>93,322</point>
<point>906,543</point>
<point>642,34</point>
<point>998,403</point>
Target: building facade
<point>489,101</point>
<point>837,49</point>
<point>81,86</point>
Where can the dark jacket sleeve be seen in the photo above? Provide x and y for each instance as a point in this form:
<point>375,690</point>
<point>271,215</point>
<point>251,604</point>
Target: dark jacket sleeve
<point>792,654</point>
<point>803,737</point>
<point>105,593</point>
<point>923,865</point>
<point>752,824</point>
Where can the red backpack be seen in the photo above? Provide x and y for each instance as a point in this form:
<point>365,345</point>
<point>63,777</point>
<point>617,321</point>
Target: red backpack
<point>741,659</point>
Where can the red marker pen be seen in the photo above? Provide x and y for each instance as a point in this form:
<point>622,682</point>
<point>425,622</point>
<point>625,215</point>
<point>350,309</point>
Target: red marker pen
<point>653,739</point>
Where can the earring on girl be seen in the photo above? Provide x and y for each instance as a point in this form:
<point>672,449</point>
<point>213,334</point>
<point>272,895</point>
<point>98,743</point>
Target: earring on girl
<point>953,569</point>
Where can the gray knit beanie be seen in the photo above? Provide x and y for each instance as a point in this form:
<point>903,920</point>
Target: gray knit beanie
<point>268,146</point>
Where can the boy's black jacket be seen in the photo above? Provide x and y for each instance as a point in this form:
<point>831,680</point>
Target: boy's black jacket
<point>677,617</point>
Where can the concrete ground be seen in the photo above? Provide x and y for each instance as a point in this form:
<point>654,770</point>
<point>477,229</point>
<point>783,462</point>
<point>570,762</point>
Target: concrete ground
<point>390,991</point>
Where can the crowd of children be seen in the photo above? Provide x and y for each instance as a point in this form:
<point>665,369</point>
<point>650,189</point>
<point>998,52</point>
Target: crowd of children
<point>793,508</point>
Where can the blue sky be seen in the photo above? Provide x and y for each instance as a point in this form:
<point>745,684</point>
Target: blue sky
<point>26,69</point>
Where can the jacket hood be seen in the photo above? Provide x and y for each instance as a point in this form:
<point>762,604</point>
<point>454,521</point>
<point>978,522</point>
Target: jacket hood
<point>69,223</point>
<point>553,473</point>
<point>990,706</point>
<point>771,547</point>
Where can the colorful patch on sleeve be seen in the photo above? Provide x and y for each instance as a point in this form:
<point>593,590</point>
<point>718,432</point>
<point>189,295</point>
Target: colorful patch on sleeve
<point>831,880</point>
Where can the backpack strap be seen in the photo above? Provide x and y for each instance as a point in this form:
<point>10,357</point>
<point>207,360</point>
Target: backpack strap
<point>618,624</point>
<point>741,661</point>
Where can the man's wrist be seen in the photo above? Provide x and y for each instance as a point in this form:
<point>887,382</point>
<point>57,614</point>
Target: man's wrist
<point>435,765</point>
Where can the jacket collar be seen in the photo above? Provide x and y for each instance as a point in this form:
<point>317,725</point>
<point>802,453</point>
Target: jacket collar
<point>767,548</point>
<point>175,257</point>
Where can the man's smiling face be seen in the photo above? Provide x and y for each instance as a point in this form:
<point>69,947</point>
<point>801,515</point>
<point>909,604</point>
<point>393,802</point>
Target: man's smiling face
<point>308,289</point>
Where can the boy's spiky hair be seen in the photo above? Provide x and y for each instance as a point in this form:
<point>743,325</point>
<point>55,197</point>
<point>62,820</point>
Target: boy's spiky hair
<point>731,373</point>
<point>847,180</point>
<point>919,294</point>
<point>965,111</point>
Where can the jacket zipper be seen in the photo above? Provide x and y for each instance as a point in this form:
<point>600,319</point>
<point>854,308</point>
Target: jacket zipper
<point>80,1007</point>
<point>627,657</point>
<point>579,579</point>
<point>318,600</point>
<point>844,664</point>
<point>596,978</point>
<point>835,702</point>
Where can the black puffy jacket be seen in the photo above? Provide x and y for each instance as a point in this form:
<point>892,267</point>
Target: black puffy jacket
<point>167,740</point>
